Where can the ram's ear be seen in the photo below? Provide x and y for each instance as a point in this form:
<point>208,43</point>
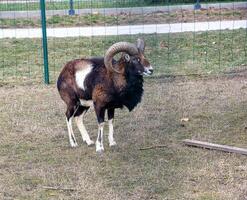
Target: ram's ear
<point>126,57</point>
<point>140,44</point>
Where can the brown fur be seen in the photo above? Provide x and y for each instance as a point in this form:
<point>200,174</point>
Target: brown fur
<point>99,95</point>
<point>144,61</point>
<point>81,64</point>
<point>108,90</point>
<point>119,79</point>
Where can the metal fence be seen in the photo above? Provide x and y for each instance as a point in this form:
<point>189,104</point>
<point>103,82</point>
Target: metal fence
<point>183,37</point>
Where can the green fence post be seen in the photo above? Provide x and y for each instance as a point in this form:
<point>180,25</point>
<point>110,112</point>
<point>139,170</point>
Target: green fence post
<point>44,41</point>
<point>71,10</point>
<point>197,5</point>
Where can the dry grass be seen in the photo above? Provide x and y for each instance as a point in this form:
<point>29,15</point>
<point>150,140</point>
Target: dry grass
<point>35,152</point>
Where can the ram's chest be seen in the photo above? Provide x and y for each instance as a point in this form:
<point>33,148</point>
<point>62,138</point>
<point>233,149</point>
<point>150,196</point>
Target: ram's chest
<point>132,94</point>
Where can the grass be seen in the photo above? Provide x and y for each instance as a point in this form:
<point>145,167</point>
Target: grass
<point>96,19</point>
<point>94,4</point>
<point>200,53</point>
<point>35,151</point>
<point>34,146</point>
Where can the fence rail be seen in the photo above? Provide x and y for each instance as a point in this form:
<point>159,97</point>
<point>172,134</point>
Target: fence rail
<point>180,40</point>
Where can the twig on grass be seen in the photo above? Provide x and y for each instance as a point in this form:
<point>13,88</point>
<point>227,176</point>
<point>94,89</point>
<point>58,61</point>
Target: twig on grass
<point>153,147</point>
<point>59,188</point>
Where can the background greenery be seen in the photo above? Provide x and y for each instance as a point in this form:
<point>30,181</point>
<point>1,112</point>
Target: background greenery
<point>98,4</point>
<point>203,53</point>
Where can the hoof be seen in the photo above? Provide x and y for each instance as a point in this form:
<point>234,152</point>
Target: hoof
<point>100,151</point>
<point>112,144</point>
<point>99,147</point>
<point>90,144</point>
<point>74,145</point>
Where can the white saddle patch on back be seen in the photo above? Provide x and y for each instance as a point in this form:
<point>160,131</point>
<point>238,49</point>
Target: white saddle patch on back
<point>86,103</point>
<point>81,75</point>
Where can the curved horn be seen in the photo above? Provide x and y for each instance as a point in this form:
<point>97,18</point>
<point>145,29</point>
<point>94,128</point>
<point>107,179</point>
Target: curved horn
<point>140,44</point>
<point>126,47</point>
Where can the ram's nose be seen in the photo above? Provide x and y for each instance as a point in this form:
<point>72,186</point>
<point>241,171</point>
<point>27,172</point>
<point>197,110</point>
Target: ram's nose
<point>151,71</point>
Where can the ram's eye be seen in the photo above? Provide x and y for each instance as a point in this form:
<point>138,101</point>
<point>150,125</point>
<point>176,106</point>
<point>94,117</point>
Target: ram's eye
<point>138,60</point>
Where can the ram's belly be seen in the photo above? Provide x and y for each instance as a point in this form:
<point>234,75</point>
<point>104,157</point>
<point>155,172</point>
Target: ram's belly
<point>86,103</point>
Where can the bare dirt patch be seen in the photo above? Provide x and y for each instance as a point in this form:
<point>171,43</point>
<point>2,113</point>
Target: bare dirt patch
<point>35,152</point>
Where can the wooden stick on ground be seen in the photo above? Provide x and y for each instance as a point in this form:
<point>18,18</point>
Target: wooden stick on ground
<point>153,147</point>
<point>58,188</point>
<point>218,147</point>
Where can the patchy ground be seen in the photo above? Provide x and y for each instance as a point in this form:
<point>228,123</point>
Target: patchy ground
<point>159,17</point>
<point>35,152</point>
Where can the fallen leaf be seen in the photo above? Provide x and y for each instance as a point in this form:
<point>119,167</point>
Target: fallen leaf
<point>185,119</point>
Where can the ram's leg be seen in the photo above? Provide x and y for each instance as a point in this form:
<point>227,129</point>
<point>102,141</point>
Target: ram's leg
<point>110,113</point>
<point>79,122</point>
<point>99,141</point>
<point>69,117</point>
<point>100,112</point>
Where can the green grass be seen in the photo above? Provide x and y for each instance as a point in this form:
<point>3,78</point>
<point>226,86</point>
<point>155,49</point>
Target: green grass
<point>207,53</point>
<point>95,4</point>
<point>97,19</point>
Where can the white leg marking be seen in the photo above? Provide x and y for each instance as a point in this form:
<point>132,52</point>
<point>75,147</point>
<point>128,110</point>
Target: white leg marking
<point>110,137</point>
<point>72,139</point>
<point>99,141</point>
<point>82,129</point>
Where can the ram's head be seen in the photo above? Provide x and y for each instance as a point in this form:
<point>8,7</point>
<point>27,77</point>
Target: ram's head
<point>132,57</point>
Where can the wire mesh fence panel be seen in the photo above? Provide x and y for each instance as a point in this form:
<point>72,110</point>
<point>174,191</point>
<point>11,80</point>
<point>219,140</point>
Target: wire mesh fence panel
<point>180,40</point>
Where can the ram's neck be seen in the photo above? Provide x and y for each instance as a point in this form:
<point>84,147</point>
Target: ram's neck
<point>119,81</point>
<point>133,91</point>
